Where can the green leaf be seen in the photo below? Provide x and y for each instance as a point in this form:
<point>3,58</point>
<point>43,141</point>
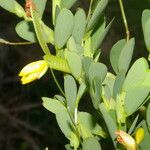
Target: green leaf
<point>99,35</point>
<point>96,91</point>
<point>40,6</point>
<point>68,147</point>
<point>120,111</point>
<point>108,85</point>
<point>9,5</point>
<point>81,91</point>
<point>38,29</point>
<point>64,27</point>
<point>75,63</point>
<point>132,127</point>
<point>118,83</point>
<point>96,14</point>
<point>67,3</point>
<point>55,6</point>
<point>126,55</point>
<point>13,7</point>
<point>57,63</point>
<point>86,61</point>
<point>91,143</point>
<point>145,24</point>
<point>110,123</point>
<point>148,116</point>
<point>89,122</point>
<point>74,140</point>
<point>147,79</point>
<point>97,70</point>
<point>115,53</point>
<point>26,31</point>
<point>79,25</point>
<point>70,92</point>
<point>65,123</point>
<point>53,105</point>
<point>134,98</point>
<point>136,74</point>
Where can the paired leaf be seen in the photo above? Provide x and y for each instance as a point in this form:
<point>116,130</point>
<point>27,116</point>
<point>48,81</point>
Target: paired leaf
<point>99,35</point>
<point>134,98</point>
<point>13,7</point>
<point>115,53</point>
<point>96,14</point>
<point>136,74</point>
<point>70,92</point>
<point>121,54</point>
<point>126,55</point>
<point>38,29</point>
<point>75,63</point>
<point>26,31</point>
<point>145,26</point>
<point>89,122</point>
<point>40,6</point>
<point>97,70</point>
<point>67,3</point>
<point>79,25</point>
<point>64,27</point>
<point>110,123</point>
<point>61,113</point>
<point>53,105</point>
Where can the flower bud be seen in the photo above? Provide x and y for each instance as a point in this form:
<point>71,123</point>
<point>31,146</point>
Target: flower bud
<point>126,140</point>
<point>139,135</point>
<point>33,71</point>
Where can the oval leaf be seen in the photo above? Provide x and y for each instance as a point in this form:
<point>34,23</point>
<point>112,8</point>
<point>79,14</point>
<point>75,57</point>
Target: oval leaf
<point>64,27</point>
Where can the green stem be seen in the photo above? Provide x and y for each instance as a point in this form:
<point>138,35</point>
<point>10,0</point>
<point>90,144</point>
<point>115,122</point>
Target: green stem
<point>89,12</point>
<point>124,20</point>
<point>2,41</point>
<point>58,85</point>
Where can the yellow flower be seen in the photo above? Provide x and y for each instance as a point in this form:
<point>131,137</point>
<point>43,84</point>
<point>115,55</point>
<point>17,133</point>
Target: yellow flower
<point>33,71</point>
<point>139,135</point>
<point>126,140</point>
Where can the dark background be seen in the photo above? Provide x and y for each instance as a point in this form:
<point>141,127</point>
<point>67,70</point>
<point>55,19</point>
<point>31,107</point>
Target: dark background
<point>24,123</point>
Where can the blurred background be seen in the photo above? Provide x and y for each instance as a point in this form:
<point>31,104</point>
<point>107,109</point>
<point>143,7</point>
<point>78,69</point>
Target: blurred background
<point>24,123</point>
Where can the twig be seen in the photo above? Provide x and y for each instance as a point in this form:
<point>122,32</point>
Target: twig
<point>2,41</point>
<point>124,20</point>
